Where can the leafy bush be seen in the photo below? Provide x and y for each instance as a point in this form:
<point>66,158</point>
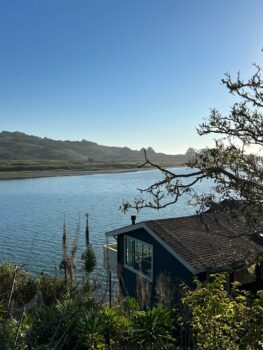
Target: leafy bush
<point>129,307</point>
<point>16,285</point>
<point>64,319</point>
<point>221,321</point>
<point>153,329</point>
<point>52,288</point>
<point>56,325</point>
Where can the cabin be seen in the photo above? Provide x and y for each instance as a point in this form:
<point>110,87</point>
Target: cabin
<point>185,248</point>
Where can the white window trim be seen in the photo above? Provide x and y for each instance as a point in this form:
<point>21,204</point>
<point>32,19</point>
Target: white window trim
<point>137,272</point>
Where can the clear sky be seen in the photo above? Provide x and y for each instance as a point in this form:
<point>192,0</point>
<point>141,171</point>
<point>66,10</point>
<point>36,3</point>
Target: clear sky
<point>133,73</point>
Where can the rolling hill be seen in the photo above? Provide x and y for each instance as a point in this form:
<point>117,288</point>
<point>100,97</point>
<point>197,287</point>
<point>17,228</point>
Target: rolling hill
<point>15,146</point>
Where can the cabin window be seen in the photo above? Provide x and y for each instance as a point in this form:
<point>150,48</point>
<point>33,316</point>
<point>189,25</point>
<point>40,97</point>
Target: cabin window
<point>138,256</point>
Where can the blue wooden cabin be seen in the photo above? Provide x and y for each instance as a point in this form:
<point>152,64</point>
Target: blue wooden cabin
<point>184,248</point>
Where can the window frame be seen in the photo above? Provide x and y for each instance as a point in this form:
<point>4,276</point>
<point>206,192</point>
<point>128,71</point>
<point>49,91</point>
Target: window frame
<point>131,268</point>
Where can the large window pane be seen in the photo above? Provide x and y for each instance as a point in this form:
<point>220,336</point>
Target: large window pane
<point>138,255</point>
<point>146,251</point>
<point>129,251</point>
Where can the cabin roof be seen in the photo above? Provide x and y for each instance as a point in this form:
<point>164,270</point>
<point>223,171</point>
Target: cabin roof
<point>211,241</point>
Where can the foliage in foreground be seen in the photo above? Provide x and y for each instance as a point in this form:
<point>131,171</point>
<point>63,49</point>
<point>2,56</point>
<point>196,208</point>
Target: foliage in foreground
<point>222,320</point>
<point>73,319</point>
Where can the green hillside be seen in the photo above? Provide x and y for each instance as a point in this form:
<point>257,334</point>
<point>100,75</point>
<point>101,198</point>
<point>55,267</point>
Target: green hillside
<point>19,146</point>
<point>19,151</point>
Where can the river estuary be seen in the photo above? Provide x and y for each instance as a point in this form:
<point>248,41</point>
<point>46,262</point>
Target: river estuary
<point>33,211</point>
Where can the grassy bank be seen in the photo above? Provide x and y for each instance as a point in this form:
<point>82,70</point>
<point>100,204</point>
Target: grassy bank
<point>26,165</point>
<point>17,169</point>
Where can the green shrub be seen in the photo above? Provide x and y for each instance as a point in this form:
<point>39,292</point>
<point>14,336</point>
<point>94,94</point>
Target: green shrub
<point>55,325</point>
<point>224,321</point>
<point>129,307</point>
<point>52,288</point>
<point>153,329</point>
<point>24,286</point>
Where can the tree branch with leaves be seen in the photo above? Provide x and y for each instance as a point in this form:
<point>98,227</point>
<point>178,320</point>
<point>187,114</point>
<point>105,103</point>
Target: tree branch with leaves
<point>236,172</point>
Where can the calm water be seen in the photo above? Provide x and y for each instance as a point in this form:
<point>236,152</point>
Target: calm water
<point>33,210</point>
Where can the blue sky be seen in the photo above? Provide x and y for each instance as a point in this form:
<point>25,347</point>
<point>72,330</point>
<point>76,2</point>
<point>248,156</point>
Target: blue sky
<point>134,73</point>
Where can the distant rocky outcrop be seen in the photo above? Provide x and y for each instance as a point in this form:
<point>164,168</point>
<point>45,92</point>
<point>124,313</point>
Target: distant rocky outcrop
<point>20,146</point>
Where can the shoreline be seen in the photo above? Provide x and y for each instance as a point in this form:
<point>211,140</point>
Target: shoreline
<point>20,175</point>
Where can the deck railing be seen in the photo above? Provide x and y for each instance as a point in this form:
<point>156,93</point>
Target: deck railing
<point>110,257</point>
